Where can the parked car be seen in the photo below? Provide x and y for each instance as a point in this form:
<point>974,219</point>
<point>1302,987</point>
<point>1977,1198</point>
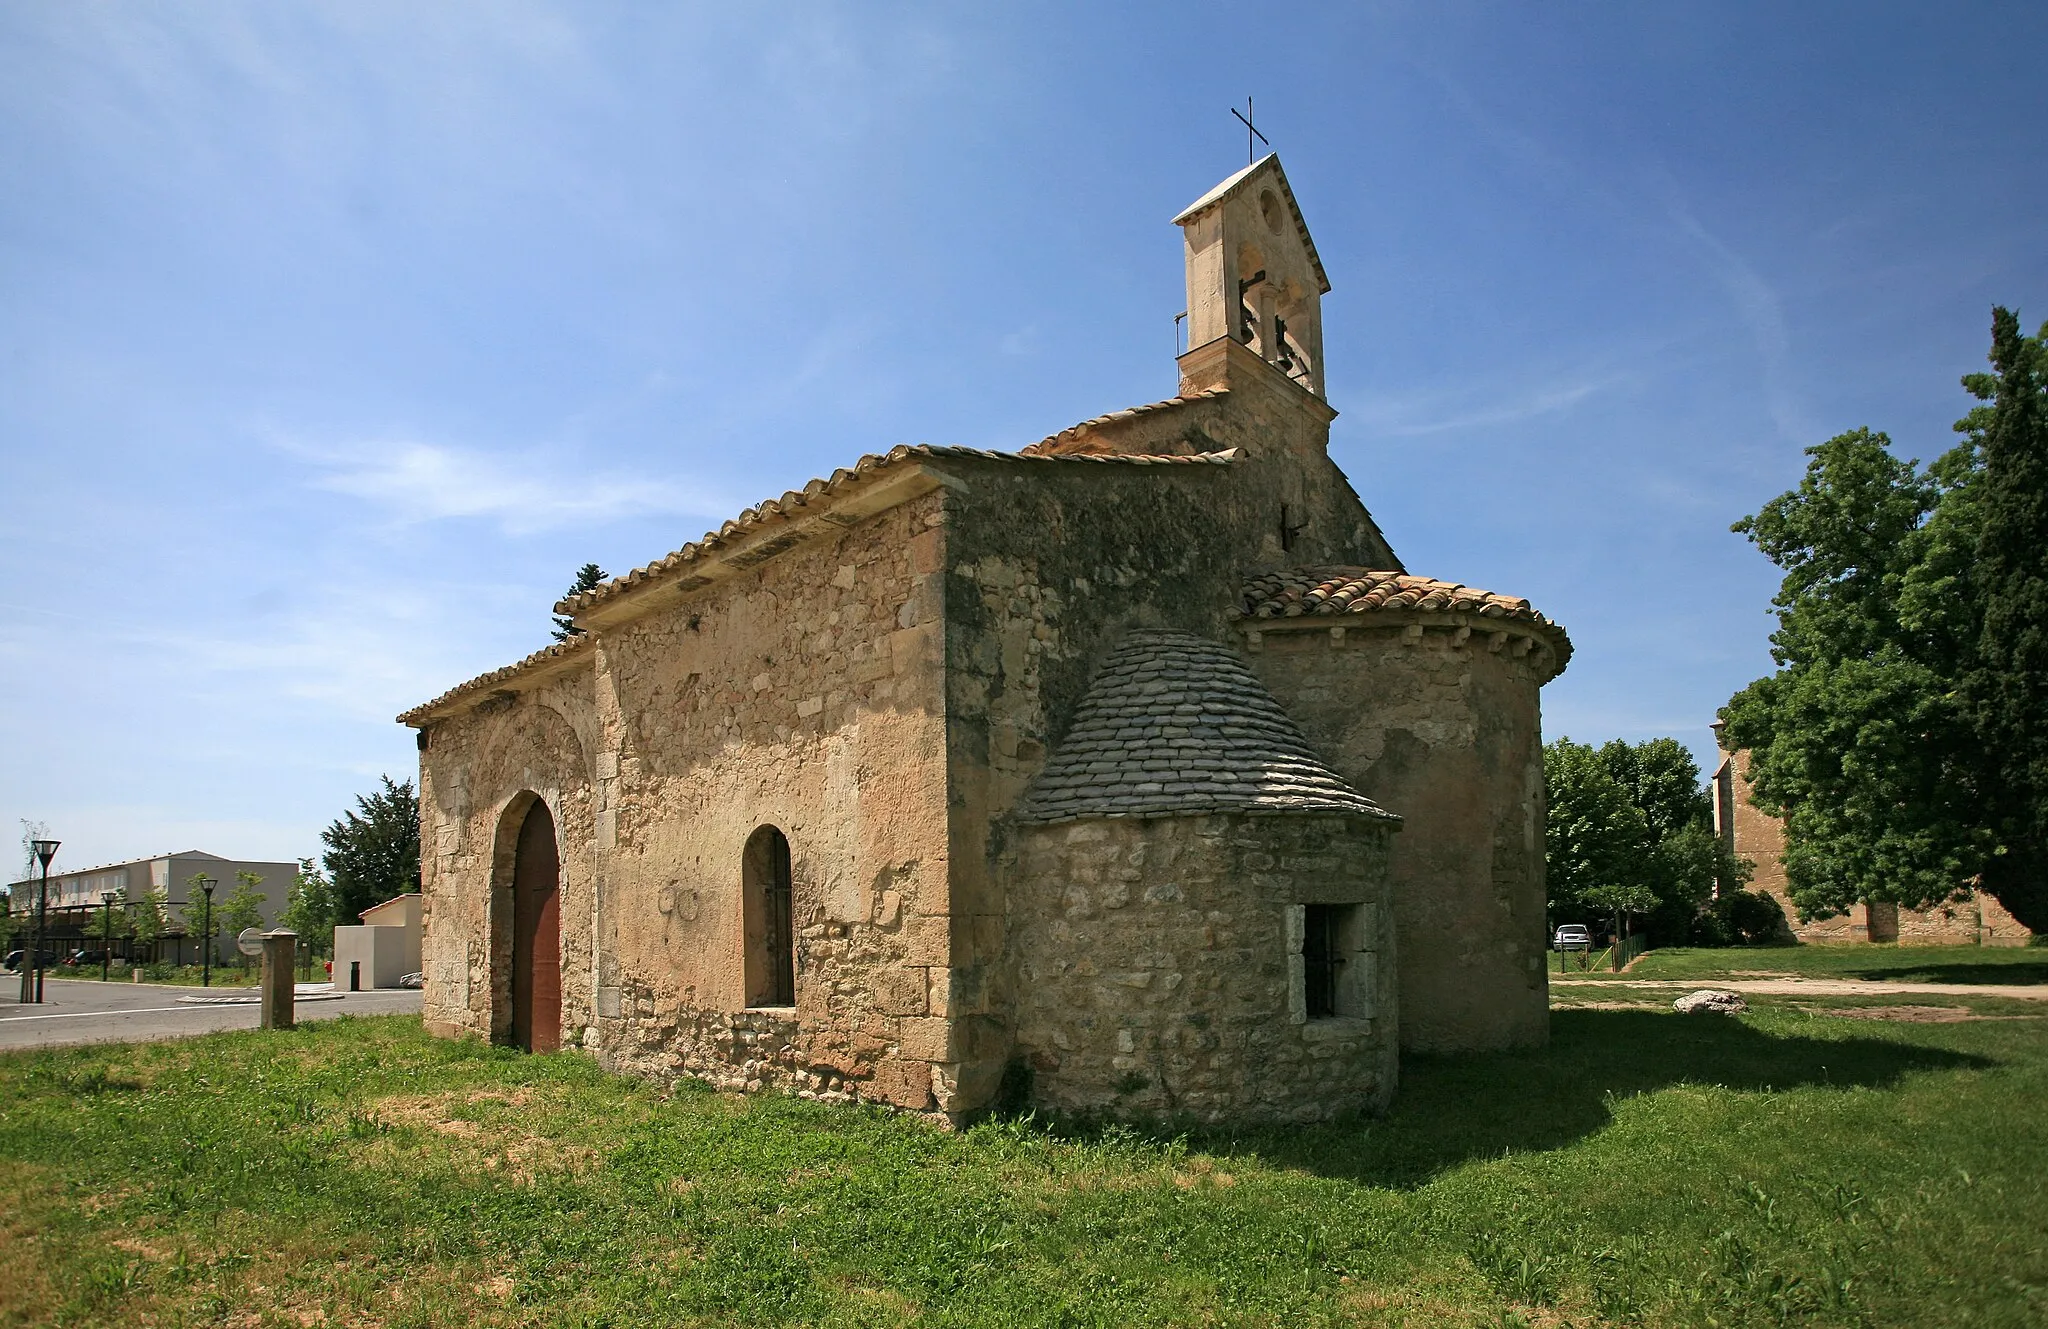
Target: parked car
<point>1573,937</point>
<point>14,958</point>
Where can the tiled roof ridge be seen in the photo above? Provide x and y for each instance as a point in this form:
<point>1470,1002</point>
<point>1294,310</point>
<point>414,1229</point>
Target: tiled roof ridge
<point>861,470</point>
<point>1043,446</point>
<point>1328,591</point>
<point>561,650</point>
<point>1174,724</point>
<point>785,507</point>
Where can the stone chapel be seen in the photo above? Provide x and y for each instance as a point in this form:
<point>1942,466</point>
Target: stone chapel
<point>1128,772</point>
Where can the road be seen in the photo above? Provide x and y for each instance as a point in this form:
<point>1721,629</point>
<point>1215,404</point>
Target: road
<point>84,1011</point>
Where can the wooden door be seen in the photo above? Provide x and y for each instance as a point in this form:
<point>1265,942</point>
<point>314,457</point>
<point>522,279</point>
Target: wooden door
<point>537,935</point>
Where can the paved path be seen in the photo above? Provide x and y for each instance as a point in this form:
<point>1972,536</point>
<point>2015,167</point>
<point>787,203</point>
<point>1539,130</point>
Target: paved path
<point>1820,987</point>
<point>77,1010</point>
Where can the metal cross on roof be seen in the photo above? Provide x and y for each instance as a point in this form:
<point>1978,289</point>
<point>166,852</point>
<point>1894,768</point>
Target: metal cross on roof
<point>1251,131</point>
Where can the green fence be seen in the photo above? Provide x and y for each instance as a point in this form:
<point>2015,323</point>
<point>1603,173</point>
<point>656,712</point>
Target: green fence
<point>1616,957</point>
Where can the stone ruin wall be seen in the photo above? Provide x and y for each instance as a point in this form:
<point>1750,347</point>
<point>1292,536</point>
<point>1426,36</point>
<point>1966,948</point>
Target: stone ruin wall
<point>1156,976</point>
<point>1973,919</point>
<point>1445,730</point>
<point>804,694</point>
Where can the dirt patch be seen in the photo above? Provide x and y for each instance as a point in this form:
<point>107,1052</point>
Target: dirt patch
<point>1915,1014</point>
<point>1612,1005</point>
<point>478,1133</point>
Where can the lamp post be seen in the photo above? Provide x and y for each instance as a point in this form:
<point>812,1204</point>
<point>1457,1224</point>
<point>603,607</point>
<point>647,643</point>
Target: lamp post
<point>45,850</point>
<point>206,885</point>
<point>27,938</point>
<point>106,931</point>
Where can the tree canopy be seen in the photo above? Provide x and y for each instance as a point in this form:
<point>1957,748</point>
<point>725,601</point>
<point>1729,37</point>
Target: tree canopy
<point>149,917</point>
<point>198,916</point>
<point>1629,832</point>
<point>373,853</point>
<point>1904,736</point>
<point>309,908</point>
<point>243,907</point>
<point>588,578</point>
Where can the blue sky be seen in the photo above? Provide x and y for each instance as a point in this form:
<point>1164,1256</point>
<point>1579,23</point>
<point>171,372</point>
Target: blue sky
<point>334,337</point>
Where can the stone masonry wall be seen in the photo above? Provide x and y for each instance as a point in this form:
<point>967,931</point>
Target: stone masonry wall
<point>803,694</point>
<point>1442,726</point>
<point>478,775</point>
<point>1051,562</point>
<point>1156,974</point>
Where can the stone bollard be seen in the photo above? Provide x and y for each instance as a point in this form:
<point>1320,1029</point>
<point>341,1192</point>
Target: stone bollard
<point>280,962</point>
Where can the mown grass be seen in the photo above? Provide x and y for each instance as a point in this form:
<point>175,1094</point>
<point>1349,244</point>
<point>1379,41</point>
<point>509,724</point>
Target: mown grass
<point>1782,1167</point>
<point>1885,962</point>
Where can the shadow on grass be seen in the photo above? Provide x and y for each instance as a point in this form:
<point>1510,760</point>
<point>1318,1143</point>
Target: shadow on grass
<point>1453,1110</point>
<point>1905,970</point>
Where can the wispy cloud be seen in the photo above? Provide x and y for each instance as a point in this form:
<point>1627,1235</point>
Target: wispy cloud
<point>1761,310</point>
<point>1441,413</point>
<point>524,492</point>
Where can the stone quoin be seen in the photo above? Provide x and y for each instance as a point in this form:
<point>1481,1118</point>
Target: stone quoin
<point>1128,772</point>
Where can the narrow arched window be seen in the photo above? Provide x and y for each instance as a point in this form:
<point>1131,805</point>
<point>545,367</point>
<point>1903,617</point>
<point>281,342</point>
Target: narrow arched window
<point>770,925</point>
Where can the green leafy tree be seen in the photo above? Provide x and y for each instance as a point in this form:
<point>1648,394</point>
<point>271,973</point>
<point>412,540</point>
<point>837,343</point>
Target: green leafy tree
<point>1596,840</point>
<point>1894,738</point>
<point>2006,685</point>
<point>243,908</point>
<point>194,911</point>
<point>309,908</point>
<point>1630,835</point>
<point>373,853</point>
<point>588,578</point>
<point>105,924</point>
<point>18,918</point>
<point>149,917</point>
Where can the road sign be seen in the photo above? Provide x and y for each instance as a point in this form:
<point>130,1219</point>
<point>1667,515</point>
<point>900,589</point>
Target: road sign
<point>250,942</point>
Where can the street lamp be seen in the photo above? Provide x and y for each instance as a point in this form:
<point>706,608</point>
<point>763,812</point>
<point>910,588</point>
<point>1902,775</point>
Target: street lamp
<point>206,885</point>
<point>45,850</point>
<point>107,899</point>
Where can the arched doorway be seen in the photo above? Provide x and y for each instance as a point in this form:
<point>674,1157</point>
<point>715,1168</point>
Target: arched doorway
<point>537,934</point>
<point>770,927</point>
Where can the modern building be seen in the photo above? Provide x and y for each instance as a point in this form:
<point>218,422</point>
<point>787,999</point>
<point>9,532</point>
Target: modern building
<point>383,950</point>
<point>77,898</point>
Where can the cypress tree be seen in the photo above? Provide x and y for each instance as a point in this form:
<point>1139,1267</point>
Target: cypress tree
<point>588,578</point>
<point>2006,685</point>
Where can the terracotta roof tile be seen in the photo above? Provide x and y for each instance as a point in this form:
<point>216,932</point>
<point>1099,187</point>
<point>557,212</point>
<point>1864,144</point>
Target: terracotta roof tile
<point>1338,590</point>
<point>1331,592</point>
<point>789,506</point>
<point>1052,443</point>
<point>561,650</point>
<point>1174,724</point>
<point>793,503</point>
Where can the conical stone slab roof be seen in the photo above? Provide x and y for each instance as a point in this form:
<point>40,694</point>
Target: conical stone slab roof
<point>1174,725</point>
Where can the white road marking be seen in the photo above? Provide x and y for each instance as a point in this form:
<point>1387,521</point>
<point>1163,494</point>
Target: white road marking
<point>79,1015</point>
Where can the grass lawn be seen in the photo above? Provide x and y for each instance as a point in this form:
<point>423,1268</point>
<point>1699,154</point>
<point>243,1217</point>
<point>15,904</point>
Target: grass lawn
<point>1786,1166</point>
<point>1883,963</point>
